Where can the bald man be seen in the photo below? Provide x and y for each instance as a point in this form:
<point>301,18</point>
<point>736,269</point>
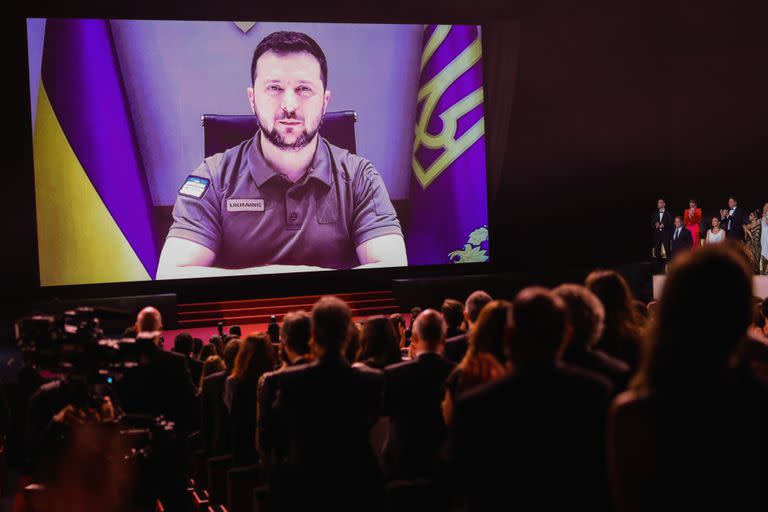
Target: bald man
<point>412,397</point>
<point>149,320</point>
<point>163,385</point>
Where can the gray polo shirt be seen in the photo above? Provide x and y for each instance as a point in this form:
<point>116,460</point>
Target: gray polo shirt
<point>249,215</point>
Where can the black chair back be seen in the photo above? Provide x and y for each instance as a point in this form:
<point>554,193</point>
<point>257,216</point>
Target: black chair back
<point>222,132</point>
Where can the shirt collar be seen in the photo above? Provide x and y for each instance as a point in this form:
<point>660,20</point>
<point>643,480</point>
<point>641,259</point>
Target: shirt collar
<point>261,172</point>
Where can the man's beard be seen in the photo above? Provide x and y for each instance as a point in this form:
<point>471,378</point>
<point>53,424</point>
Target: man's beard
<point>276,139</point>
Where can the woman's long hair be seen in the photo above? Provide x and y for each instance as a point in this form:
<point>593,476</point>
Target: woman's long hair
<point>489,332</point>
<point>255,357</point>
<point>622,333</point>
<point>379,343</point>
<point>702,317</point>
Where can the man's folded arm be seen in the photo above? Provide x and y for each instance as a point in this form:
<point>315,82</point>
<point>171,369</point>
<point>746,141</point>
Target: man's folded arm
<point>182,258</point>
<point>382,251</point>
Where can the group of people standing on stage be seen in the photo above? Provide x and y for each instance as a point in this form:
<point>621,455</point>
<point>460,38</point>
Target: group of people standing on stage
<point>672,234</point>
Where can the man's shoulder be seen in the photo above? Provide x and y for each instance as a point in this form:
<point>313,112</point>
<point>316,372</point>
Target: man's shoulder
<point>576,378</point>
<point>461,338</point>
<point>221,165</point>
<point>350,167</point>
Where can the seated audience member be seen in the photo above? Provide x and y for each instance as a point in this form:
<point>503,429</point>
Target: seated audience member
<point>379,346</point>
<point>587,318</point>
<point>682,239</point>
<point>294,351</point>
<point>235,331</point>
<point>164,385</point>
<point>715,234</point>
<point>323,413</point>
<point>453,312</point>
<point>690,432</point>
<point>399,324</point>
<point>536,436</point>
<point>413,392</point>
<point>254,359</point>
<point>215,426</point>
<point>212,364</point>
<point>197,347</point>
<point>208,351</point>
<point>622,336</point>
<point>485,358</point>
<point>216,341</point>
<point>456,347</point>
<point>184,344</point>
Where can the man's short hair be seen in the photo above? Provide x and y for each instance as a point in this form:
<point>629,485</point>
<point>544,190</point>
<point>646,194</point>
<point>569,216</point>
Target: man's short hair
<point>236,330</point>
<point>331,318</point>
<point>430,327</point>
<point>285,42</point>
<point>540,319</point>
<point>679,217</point>
<point>296,330</point>
<point>183,343</point>
<point>476,302</point>
<point>453,312</point>
<point>586,312</point>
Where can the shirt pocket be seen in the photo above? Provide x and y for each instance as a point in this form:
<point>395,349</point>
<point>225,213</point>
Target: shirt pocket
<point>327,208</point>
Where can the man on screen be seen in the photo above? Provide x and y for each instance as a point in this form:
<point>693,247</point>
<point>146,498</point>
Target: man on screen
<point>285,200</point>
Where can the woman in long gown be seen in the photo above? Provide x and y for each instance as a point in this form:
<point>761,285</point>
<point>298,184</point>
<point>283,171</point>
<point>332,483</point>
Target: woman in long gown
<point>692,220</point>
<point>752,233</point>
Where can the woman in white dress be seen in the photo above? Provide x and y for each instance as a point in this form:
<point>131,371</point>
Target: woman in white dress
<point>715,235</point>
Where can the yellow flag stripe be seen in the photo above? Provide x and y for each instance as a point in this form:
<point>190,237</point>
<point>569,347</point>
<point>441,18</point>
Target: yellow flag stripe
<point>78,240</point>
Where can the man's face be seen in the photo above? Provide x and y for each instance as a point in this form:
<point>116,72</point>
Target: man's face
<point>288,98</point>
<point>731,203</point>
<point>678,222</point>
<point>660,204</point>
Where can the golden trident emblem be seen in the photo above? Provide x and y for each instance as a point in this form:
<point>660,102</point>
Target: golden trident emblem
<point>431,93</point>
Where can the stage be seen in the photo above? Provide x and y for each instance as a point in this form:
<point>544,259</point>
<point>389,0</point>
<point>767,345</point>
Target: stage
<point>760,284</point>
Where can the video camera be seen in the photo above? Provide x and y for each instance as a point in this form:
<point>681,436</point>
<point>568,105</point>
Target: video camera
<point>73,346</point>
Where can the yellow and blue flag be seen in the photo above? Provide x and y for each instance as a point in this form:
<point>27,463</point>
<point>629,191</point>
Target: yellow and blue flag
<point>94,209</point>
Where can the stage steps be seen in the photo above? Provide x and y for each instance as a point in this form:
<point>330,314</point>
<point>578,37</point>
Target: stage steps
<point>258,311</point>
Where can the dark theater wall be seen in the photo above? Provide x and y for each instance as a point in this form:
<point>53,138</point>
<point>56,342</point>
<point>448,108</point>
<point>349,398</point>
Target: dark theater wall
<point>614,103</point>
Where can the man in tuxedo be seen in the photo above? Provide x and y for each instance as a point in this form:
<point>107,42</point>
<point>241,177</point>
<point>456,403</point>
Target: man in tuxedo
<point>662,230</point>
<point>413,393</point>
<point>537,435</point>
<point>456,347</point>
<point>294,351</point>
<point>323,414</point>
<point>682,240</point>
<point>733,221</point>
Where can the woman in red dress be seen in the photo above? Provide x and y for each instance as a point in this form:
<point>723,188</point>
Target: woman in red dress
<point>692,219</point>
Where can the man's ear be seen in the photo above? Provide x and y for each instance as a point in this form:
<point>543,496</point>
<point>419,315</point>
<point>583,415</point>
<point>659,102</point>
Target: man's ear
<point>326,100</point>
<point>251,101</point>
